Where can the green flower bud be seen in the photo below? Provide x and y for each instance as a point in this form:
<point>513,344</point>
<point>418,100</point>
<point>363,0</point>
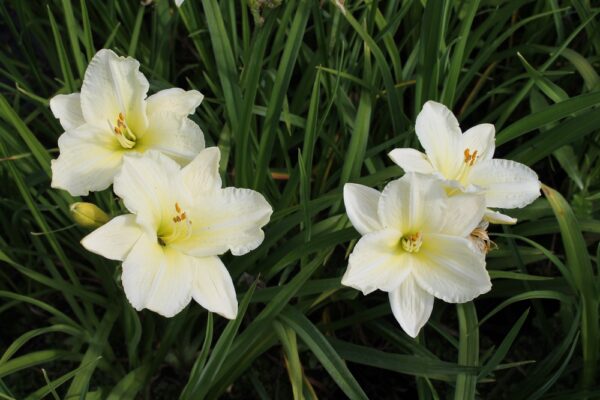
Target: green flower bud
<point>88,215</point>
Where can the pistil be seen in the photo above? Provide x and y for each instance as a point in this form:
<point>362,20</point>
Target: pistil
<point>412,242</point>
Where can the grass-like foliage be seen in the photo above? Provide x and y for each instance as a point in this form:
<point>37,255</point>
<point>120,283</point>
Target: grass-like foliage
<point>301,98</point>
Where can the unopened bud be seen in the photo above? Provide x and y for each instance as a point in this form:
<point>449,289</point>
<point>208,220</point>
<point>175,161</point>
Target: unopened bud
<point>88,215</point>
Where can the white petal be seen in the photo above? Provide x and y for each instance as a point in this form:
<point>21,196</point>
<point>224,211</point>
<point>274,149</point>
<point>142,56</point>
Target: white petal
<point>88,161</point>
<point>450,269</point>
<point>147,184</point>
<point>174,100</point>
<point>140,269</point>
<point>227,219</point>
<point>114,239</point>
<point>495,217</point>
<point>413,203</point>
<point>411,160</point>
<point>67,108</point>
<point>507,184</point>
<point>361,206</point>
<point>178,3</point>
<point>213,288</point>
<point>440,135</point>
<point>411,306</point>
<point>480,138</point>
<point>157,278</point>
<point>202,174</point>
<point>376,263</point>
<point>463,214</point>
<point>114,85</point>
<point>178,137</point>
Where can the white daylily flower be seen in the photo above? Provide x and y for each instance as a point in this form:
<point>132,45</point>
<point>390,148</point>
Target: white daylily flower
<point>112,117</point>
<point>181,221</point>
<point>464,161</point>
<point>416,246</point>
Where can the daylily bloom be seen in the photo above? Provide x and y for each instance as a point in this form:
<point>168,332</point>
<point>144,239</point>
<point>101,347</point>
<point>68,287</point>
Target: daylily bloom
<point>416,246</point>
<point>481,239</point>
<point>464,161</point>
<point>181,220</point>
<point>112,117</point>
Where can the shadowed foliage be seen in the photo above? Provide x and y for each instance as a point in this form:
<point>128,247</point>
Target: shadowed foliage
<point>303,96</point>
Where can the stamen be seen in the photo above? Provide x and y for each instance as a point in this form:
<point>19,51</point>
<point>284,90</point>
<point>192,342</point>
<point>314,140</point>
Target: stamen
<point>467,156</point>
<point>470,158</point>
<point>125,135</point>
<point>473,158</point>
<point>181,228</point>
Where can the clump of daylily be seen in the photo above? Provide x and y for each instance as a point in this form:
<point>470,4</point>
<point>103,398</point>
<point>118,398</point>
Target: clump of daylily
<point>464,162</point>
<point>181,220</point>
<point>416,245</point>
<point>112,117</point>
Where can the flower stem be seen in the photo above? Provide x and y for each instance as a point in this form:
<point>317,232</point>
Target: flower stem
<point>468,350</point>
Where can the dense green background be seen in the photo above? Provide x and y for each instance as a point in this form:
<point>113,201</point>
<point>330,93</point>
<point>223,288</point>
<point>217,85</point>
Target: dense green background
<point>302,98</point>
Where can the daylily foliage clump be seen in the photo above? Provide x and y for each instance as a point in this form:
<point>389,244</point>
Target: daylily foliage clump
<point>382,250</point>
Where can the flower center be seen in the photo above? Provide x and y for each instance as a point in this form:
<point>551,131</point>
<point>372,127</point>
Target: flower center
<point>412,243</point>
<point>178,228</point>
<point>124,134</point>
<point>463,172</point>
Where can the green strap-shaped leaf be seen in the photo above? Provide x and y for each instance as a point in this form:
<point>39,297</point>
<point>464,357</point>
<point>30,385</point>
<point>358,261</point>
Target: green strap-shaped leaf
<point>578,261</point>
<point>325,353</point>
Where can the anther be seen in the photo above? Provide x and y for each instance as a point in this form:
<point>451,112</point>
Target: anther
<point>470,158</point>
<point>473,158</point>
